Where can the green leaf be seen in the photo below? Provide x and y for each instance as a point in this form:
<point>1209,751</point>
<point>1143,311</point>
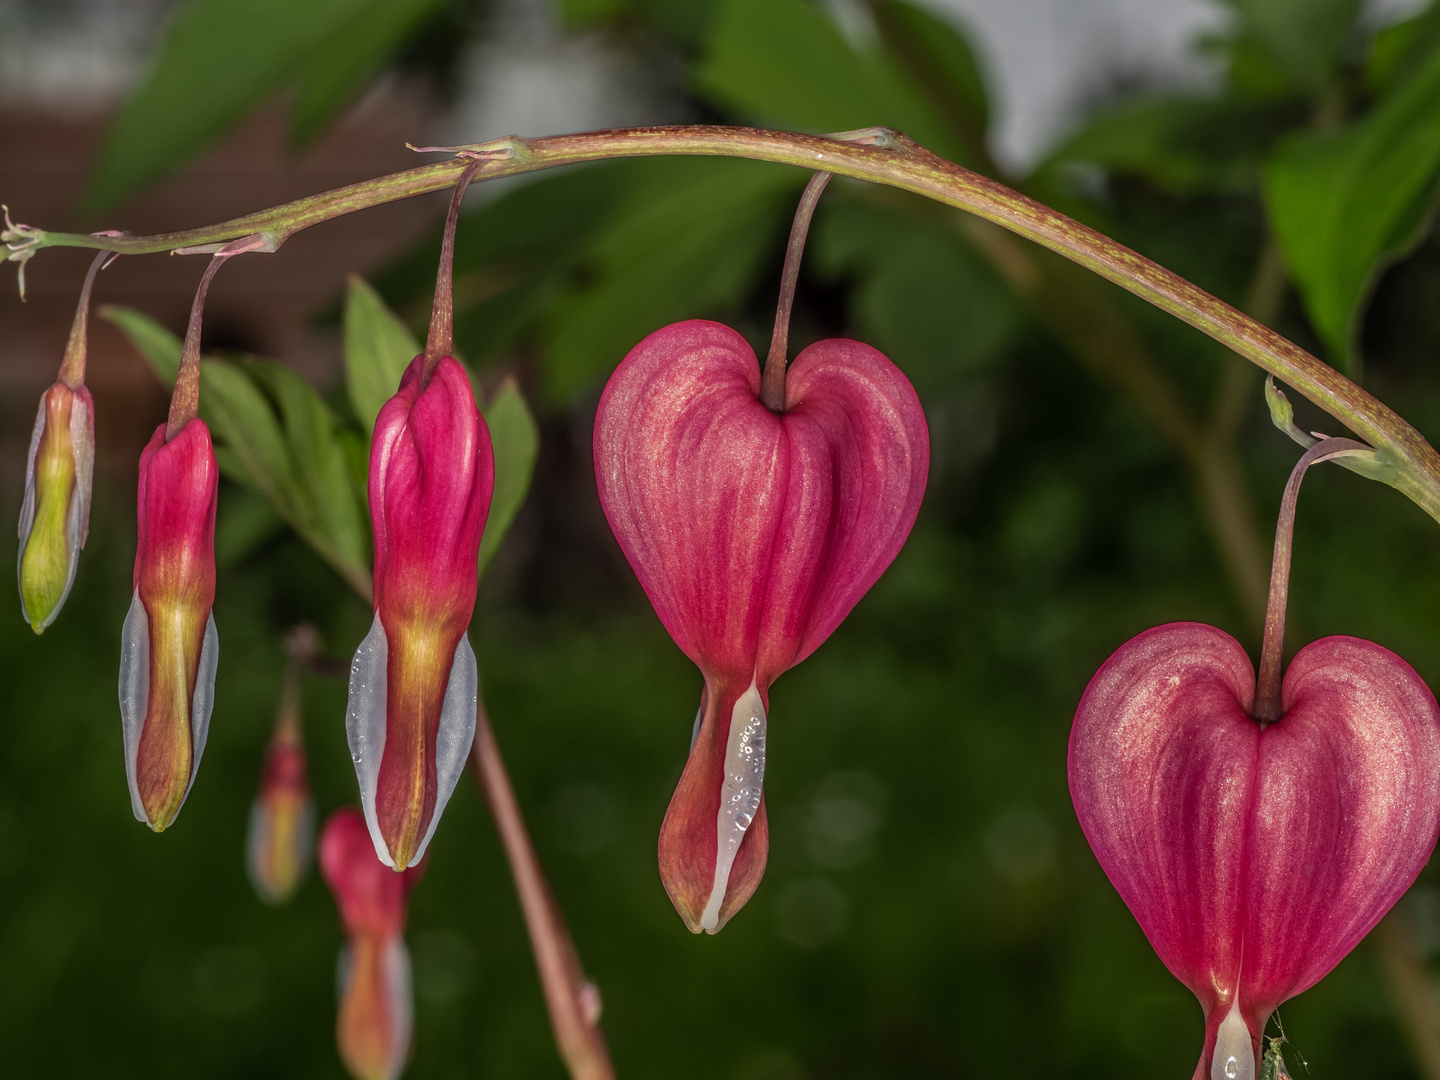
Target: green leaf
<point>787,64</point>
<point>1344,204</point>
<point>157,346</point>
<point>941,62</point>
<point>687,244</point>
<point>516,440</point>
<point>1307,40</point>
<point>921,296</point>
<point>378,348</point>
<point>219,59</point>
<point>1399,51</point>
<point>347,58</point>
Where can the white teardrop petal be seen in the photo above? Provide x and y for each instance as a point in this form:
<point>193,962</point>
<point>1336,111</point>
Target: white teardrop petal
<point>365,725</point>
<point>202,702</point>
<point>402,1004</point>
<point>1234,1055</point>
<point>456,733</point>
<point>82,440</point>
<point>134,693</point>
<point>739,795</point>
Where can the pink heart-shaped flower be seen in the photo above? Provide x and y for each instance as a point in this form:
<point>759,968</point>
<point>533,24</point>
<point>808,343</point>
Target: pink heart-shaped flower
<point>753,534</point>
<point>1255,858</point>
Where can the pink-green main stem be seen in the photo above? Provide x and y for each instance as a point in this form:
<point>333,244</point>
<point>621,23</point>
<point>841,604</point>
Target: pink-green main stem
<point>879,156</point>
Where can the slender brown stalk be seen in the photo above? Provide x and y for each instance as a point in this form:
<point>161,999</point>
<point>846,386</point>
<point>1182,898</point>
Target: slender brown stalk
<point>185,398</point>
<point>440,342</point>
<point>572,999</point>
<point>1267,707</point>
<point>72,367</point>
<point>772,382</point>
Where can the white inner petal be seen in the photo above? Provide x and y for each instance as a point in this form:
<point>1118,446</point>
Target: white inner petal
<point>134,693</point>
<point>402,1005</point>
<point>457,732</point>
<point>1234,1056</point>
<point>739,795</point>
<point>365,725</point>
<point>202,702</point>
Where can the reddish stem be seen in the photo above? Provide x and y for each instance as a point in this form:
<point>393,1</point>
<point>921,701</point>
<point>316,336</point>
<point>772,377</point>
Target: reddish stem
<point>72,368</point>
<point>440,342</point>
<point>185,398</point>
<point>572,999</point>
<point>1268,684</point>
<point>772,383</point>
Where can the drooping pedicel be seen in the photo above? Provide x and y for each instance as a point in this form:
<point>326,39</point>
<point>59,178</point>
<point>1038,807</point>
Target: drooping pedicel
<point>753,533</point>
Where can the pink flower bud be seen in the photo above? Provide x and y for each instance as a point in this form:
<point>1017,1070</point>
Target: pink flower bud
<point>282,817</point>
<point>414,682</point>
<point>1254,857</point>
<point>170,647</point>
<point>754,534</point>
<point>373,1028</point>
<point>55,515</point>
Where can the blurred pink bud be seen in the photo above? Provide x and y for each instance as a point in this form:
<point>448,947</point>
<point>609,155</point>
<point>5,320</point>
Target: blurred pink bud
<point>170,647</point>
<point>282,817</point>
<point>55,515</point>
<point>414,682</point>
<point>374,1025</point>
<point>1254,857</point>
<point>754,534</point>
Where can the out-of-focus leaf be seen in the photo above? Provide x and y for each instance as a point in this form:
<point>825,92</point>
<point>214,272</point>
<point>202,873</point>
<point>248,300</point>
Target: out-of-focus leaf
<point>1399,51</point>
<point>290,455</point>
<point>378,347</point>
<point>686,244</point>
<point>922,297</point>
<point>348,56</point>
<point>1180,145</point>
<point>219,58</point>
<point>516,440</point>
<point>785,62</point>
<point>1343,204</point>
<point>247,520</point>
<point>1306,39</point>
<point>325,502</point>
<point>940,61</point>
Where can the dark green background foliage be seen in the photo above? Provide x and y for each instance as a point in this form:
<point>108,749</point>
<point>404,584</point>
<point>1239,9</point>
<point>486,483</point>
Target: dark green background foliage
<point>930,907</point>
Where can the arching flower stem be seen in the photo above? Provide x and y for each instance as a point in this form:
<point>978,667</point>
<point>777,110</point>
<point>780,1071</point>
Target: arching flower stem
<point>440,342</point>
<point>72,367</point>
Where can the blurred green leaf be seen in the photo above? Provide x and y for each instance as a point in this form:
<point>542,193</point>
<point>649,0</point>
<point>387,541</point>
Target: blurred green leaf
<point>347,57</point>
<point>940,61</point>
<point>516,440</point>
<point>221,58</point>
<point>291,456</point>
<point>1181,145</point>
<point>1342,204</point>
<point>687,243</point>
<point>378,348</point>
<point>1306,39</point>
<point>1399,51</point>
<point>922,297</point>
<point>786,63</point>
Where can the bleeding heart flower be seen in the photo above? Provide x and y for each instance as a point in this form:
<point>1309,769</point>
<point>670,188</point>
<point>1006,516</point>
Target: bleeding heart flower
<point>169,647</point>
<point>55,516</point>
<point>282,817</point>
<point>1256,832</point>
<point>414,683</point>
<point>375,1021</point>
<point>753,532</point>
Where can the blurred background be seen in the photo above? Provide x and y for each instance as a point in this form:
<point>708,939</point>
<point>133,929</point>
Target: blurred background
<point>930,908</point>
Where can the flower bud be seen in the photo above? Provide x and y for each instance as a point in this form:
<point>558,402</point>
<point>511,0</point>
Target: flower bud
<point>414,682</point>
<point>373,1028</point>
<point>170,647</point>
<point>282,817</point>
<point>55,516</point>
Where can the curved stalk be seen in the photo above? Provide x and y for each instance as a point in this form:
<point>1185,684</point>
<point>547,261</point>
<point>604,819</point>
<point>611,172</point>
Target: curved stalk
<point>880,156</point>
<point>772,382</point>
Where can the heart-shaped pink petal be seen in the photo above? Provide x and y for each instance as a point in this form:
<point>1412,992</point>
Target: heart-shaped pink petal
<point>753,534</point>
<point>1254,860</point>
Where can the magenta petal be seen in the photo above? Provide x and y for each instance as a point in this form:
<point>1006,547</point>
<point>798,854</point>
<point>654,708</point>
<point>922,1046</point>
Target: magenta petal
<point>1347,812</point>
<point>1254,860</point>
